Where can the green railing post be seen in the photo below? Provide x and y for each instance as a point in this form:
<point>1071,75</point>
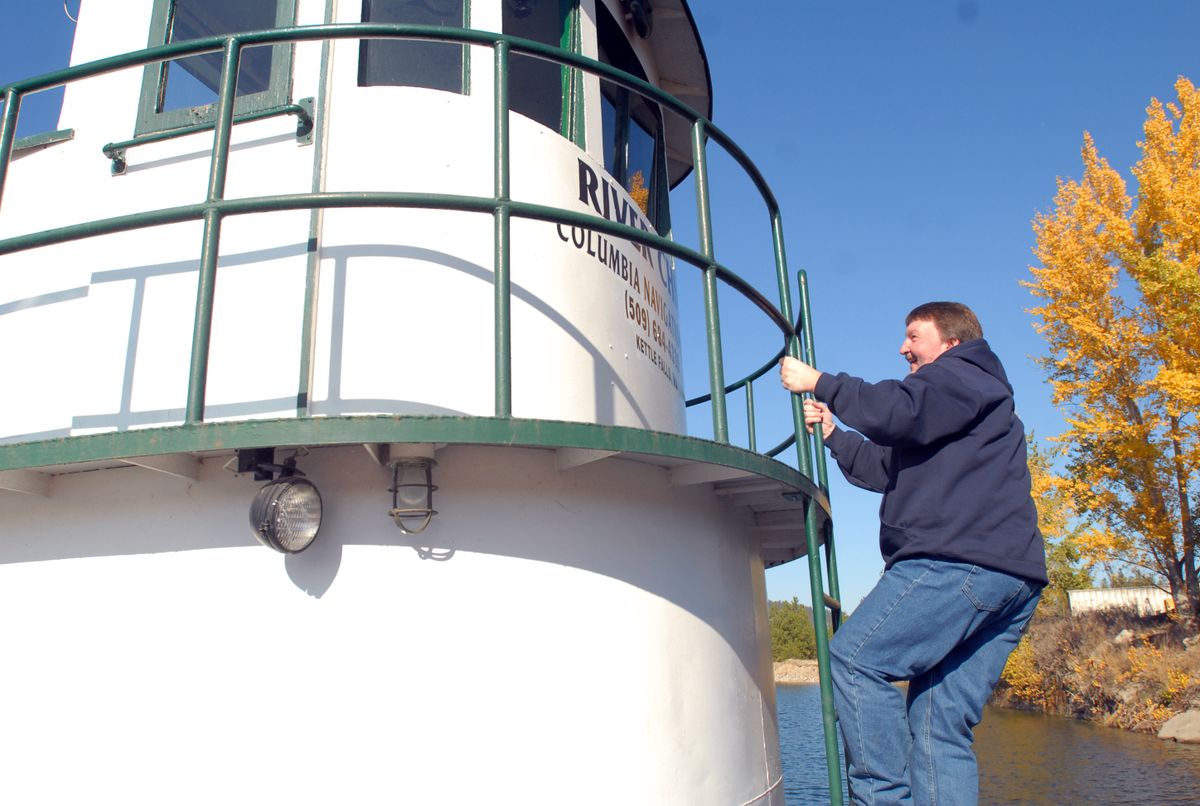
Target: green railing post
<point>712,321</point>
<point>206,284</point>
<point>503,256</point>
<point>8,134</point>
<point>316,226</point>
<point>751,438</point>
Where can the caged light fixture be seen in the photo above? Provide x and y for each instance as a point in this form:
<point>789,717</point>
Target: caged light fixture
<point>412,493</point>
<point>285,515</point>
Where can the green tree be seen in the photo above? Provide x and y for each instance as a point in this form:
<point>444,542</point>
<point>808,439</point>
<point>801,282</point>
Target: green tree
<point>792,633</point>
<point>1060,526</point>
<point>1131,578</point>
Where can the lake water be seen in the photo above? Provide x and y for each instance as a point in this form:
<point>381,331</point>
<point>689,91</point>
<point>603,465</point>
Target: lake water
<point>1023,759</point>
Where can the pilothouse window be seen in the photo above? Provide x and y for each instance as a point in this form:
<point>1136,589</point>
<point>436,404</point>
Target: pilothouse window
<point>410,62</point>
<point>182,92</point>
<point>544,90</point>
<point>632,125</point>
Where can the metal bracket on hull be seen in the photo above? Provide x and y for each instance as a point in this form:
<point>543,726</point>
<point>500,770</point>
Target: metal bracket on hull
<point>179,465</point>
<point>778,514</point>
<point>29,482</point>
<point>688,475</point>
<point>569,458</point>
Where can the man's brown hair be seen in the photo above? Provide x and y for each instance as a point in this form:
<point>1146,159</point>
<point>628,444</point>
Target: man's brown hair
<point>953,320</point>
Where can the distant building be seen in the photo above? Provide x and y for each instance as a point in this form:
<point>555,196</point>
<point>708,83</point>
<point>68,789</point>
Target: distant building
<point>1146,601</point>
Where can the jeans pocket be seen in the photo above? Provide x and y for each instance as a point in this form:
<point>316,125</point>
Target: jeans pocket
<point>991,590</point>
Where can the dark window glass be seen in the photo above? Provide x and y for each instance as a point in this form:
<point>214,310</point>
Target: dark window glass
<point>610,106</point>
<point>412,63</point>
<point>535,86</point>
<point>631,124</point>
<point>196,81</point>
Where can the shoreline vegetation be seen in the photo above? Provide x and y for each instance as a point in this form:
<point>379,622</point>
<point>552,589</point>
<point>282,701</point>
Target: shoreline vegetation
<point>796,672</point>
<point>1110,667</point>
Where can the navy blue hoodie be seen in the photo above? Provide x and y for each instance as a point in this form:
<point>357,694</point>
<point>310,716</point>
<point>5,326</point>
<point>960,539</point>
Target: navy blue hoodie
<point>946,449</point>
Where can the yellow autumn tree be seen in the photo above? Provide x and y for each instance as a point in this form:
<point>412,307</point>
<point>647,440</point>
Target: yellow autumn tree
<point>1065,532</point>
<point>638,190</point>
<point>1119,286</point>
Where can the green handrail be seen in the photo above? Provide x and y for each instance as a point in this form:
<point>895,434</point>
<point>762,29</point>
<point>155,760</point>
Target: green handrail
<point>117,151</point>
<point>811,528</point>
<point>810,356</point>
<point>216,207</point>
<point>821,602</point>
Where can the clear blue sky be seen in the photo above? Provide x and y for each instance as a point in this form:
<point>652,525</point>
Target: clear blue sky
<point>910,146</point>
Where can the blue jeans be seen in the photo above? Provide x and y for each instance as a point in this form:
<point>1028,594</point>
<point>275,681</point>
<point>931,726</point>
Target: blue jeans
<point>946,627</point>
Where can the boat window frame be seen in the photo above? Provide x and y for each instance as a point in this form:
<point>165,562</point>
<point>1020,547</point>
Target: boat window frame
<point>278,92</point>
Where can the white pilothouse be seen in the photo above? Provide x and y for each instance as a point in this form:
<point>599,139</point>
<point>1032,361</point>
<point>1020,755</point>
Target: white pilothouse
<point>504,573</point>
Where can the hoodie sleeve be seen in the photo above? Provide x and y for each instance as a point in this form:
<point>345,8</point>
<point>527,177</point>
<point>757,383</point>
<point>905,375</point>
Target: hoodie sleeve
<point>931,404</point>
<point>862,463</point>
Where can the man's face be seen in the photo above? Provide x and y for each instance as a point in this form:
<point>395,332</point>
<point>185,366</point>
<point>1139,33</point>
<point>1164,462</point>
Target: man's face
<point>923,343</point>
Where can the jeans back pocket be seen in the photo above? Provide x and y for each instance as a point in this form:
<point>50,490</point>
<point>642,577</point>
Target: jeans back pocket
<point>991,590</point>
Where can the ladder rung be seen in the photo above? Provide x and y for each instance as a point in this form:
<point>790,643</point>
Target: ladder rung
<point>832,604</point>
